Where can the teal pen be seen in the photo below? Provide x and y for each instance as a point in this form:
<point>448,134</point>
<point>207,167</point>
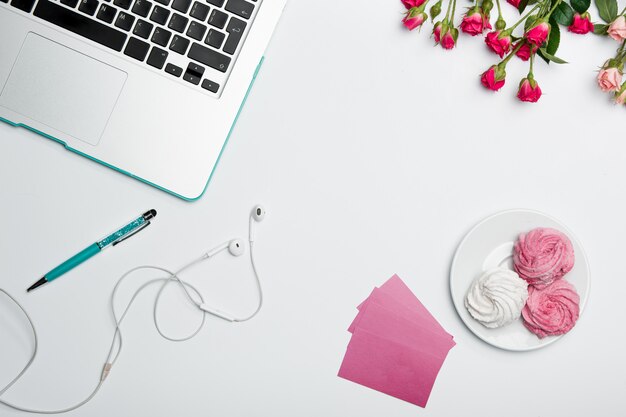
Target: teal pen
<point>113,239</point>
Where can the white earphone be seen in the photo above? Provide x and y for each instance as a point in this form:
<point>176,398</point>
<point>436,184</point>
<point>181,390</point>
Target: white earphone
<point>236,247</point>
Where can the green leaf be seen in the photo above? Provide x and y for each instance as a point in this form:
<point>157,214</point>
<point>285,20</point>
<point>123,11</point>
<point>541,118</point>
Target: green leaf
<point>522,5</point>
<point>563,14</point>
<point>600,29</point>
<point>555,37</point>
<point>607,9</point>
<point>549,57</point>
<point>580,6</point>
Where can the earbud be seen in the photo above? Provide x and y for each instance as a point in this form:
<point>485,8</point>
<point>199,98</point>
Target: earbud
<point>258,213</point>
<point>236,247</point>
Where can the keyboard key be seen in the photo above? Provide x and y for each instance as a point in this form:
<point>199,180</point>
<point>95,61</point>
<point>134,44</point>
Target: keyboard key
<point>142,7</point>
<point>174,70</point>
<point>124,4</point>
<point>215,38</point>
<point>218,19</point>
<point>199,11</point>
<point>106,13</point>
<point>218,3</point>
<point>157,57</point>
<point>25,5</point>
<point>4,1</point>
<point>181,5</point>
<point>161,36</point>
<point>136,49</point>
<point>70,3</point>
<point>159,15</point>
<point>235,30</point>
<point>124,21</point>
<point>178,23</point>
<point>88,6</point>
<point>163,2</point>
<point>209,57</point>
<point>143,29</point>
<point>196,30</point>
<point>240,7</point>
<point>179,44</point>
<point>210,85</point>
<point>194,73</point>
<point>80,25</point>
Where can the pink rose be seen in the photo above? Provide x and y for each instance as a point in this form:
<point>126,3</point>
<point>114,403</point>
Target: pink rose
<point>609,79</point>
<point>409,4</point>
<point>617,29</point>
<point>514,3</point>
<point>498,42</point>
<point>538,33</point>
<point>473,23</point>
<point>414,18</point>
<point>581,24</point>
<point>448,40</point>
<point>525,50</point>
<point>542,256</point>
<point>493,78</point>
<point>553,310</point>
<point>529,90</point>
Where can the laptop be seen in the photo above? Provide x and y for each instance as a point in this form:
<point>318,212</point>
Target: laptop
<point>150,88</point>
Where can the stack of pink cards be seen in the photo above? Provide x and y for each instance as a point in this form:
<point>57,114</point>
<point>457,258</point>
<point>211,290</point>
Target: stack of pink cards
<point>397,346</point>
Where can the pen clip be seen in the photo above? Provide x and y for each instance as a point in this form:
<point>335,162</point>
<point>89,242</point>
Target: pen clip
<point>123,238</point>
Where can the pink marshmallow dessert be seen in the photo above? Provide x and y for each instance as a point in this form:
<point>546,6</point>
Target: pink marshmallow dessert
<point>543,256</point>
<point>553,310</point>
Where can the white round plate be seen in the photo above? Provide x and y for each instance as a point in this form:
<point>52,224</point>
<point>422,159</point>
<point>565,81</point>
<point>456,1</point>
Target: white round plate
<point>489,244</point>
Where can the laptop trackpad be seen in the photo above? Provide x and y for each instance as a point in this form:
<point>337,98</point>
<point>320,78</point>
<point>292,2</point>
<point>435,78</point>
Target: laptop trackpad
<point>62,88</point>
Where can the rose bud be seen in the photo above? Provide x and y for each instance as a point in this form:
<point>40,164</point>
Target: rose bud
<point>409,4</point>
<point>472,22</point>
<point>609,79</point>
<point>620,96</point>
<point>514,3</point>
<point>617,29</point>
<point>525,51</point>
<point>449,38</point>
<point>494,77</point>
<point>487,6</point>
<point>435,10</point>
<point>500,23</point>
<point>529,90</point>
<point>538,33</point>
<point>499,42</point>
<point>581,24</point>
<point>437,32</point>
<point>414,18</point>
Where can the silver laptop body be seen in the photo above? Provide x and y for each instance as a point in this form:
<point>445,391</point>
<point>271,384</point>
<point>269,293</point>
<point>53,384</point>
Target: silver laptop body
<point>150,88</point>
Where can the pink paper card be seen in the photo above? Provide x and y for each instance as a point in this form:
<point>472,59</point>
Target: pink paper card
<point>384,299</point>
<point>390,367</point>
<point>395,291</point>
<point>378,320</point>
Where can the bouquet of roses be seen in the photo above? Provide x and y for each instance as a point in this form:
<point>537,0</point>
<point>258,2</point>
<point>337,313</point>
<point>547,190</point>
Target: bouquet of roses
<point>536,33</point>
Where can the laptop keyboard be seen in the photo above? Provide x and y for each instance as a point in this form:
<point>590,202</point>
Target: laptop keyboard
<point>196,41</point>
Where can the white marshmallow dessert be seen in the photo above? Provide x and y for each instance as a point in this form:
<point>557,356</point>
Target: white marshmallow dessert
<point>496,297</point>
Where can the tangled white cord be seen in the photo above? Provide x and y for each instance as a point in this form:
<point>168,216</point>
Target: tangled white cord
<point>116,343</point>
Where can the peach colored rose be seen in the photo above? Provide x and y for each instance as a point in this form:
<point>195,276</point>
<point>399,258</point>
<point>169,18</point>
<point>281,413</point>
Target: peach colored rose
<point>609,79</point>
<point>617,29</point>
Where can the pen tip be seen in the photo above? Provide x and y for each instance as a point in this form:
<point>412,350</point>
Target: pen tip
<point>37,284</point>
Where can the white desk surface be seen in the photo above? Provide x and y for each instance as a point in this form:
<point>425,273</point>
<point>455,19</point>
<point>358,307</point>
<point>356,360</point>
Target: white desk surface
<point>374,153</point>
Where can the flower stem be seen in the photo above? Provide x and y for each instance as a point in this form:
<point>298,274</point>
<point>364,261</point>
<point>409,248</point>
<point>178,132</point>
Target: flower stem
<point>499,10</point>
<point>510,55</point>
<point>553,8</point>
<point>532,61</point>
<point>523,18</point>
<point>448,10</point>
<point>452,15</point>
